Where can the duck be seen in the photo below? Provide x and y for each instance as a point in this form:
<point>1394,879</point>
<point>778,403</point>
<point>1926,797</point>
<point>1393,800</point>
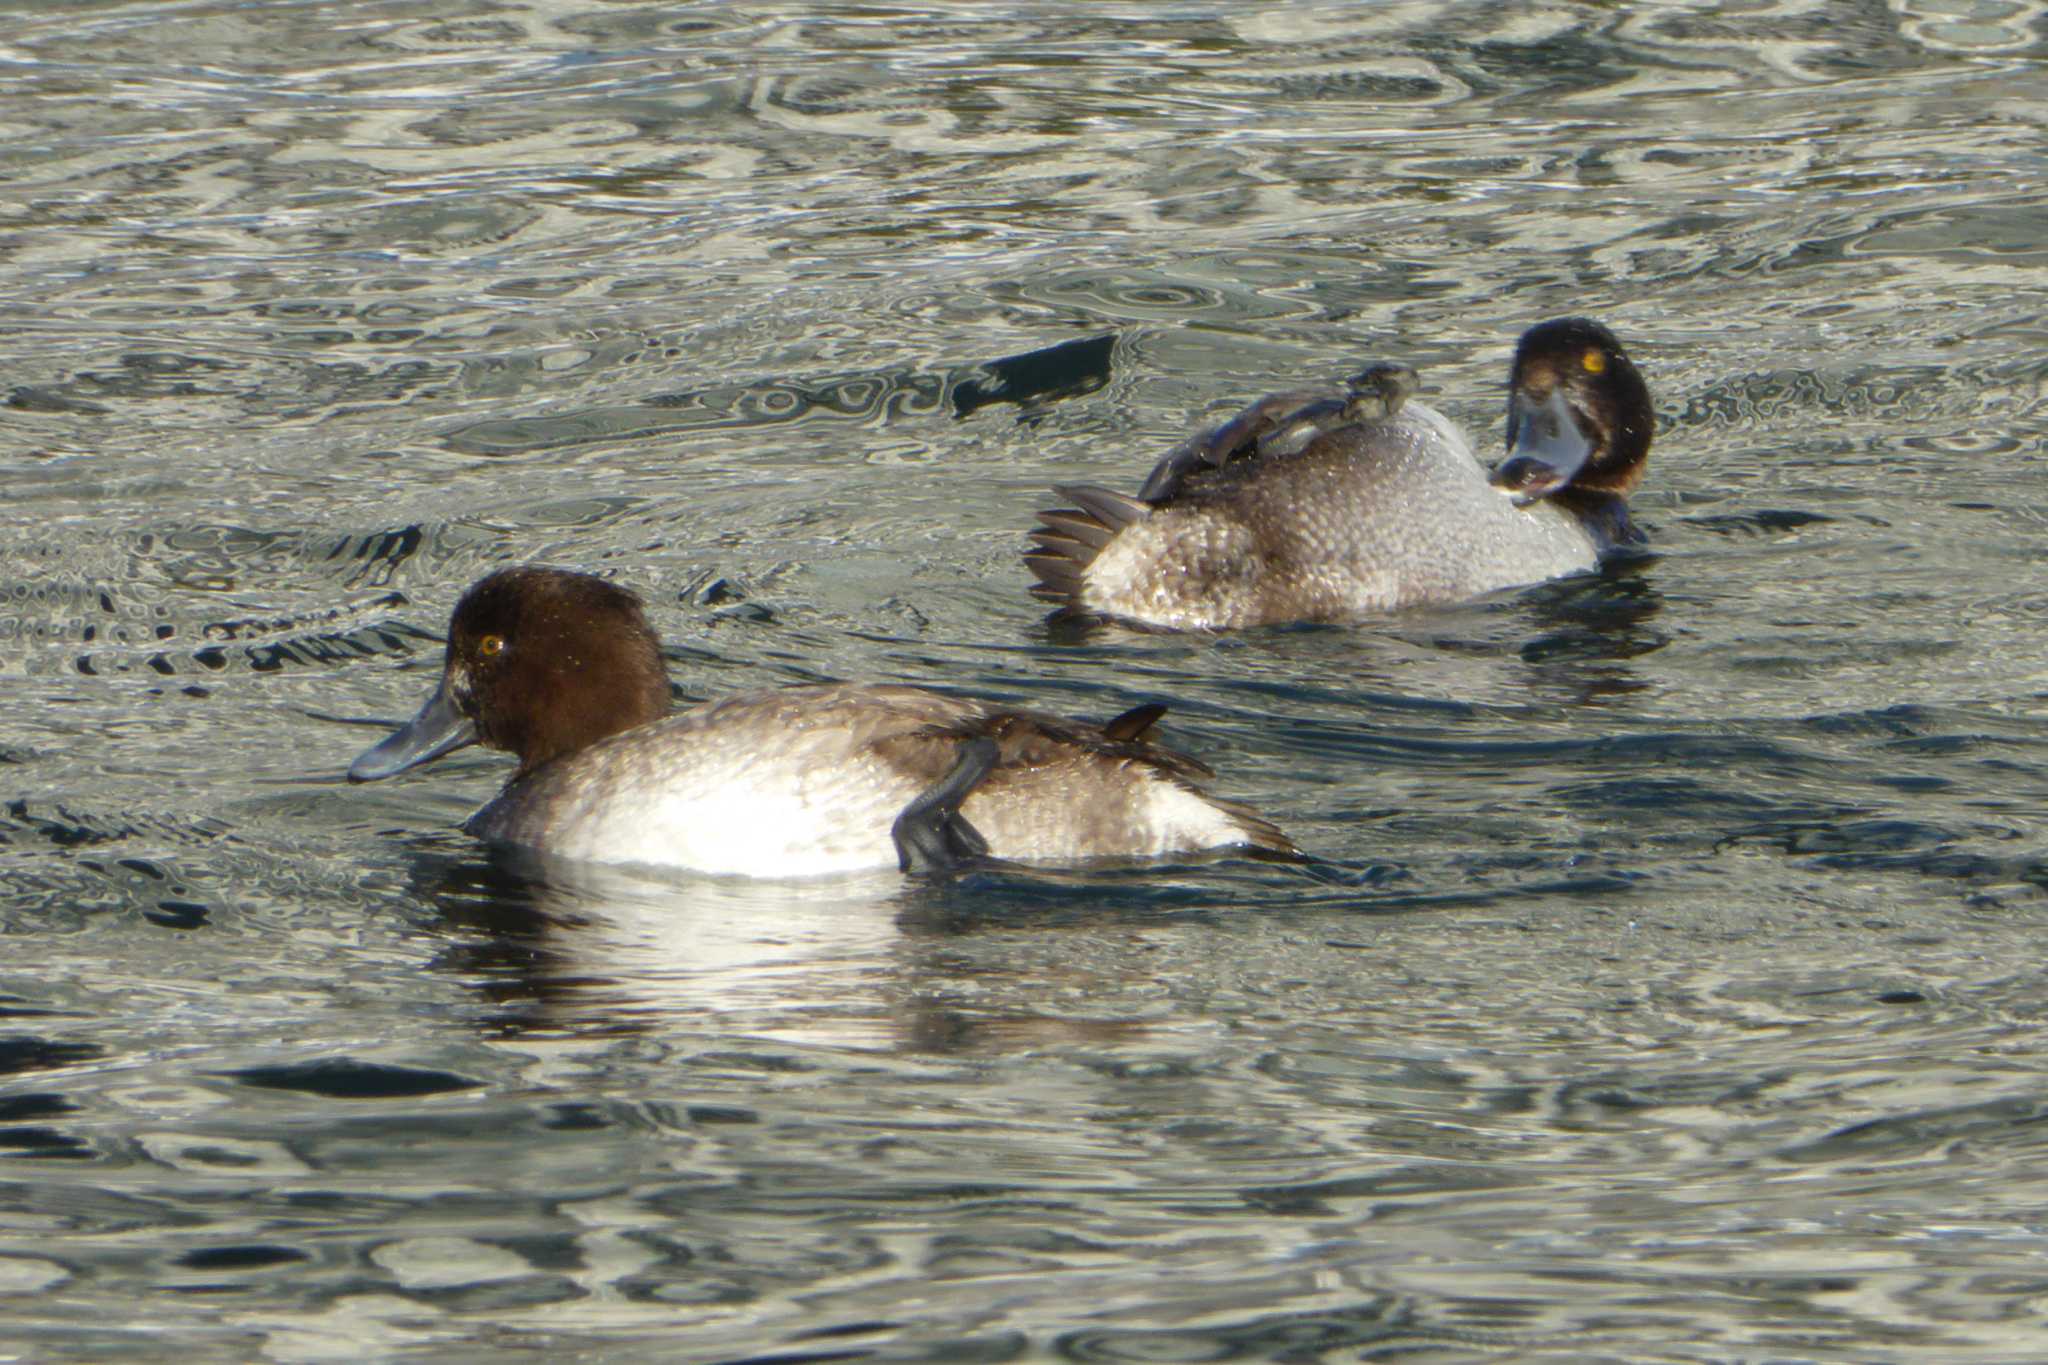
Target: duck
<point>1344,502</point>
<point>562,670</point>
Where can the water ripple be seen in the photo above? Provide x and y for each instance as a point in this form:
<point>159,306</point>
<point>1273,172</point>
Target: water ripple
<point>1655,991</point>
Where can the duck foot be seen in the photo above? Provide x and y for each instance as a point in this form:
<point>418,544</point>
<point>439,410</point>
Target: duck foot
<point>931,835</point>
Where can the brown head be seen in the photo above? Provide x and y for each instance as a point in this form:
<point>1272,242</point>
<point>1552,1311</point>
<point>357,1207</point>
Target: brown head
<point>1579,414</point>
<point>541,662</point>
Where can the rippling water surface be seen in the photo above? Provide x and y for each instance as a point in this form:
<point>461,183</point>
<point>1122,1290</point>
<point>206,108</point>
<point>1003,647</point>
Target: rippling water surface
<point>1672,990</point>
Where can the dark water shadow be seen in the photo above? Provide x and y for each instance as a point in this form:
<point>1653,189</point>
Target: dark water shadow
<point>1029,380</point>
<point>1587,629</point>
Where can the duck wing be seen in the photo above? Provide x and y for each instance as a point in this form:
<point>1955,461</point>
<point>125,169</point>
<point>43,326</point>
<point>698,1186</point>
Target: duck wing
<point>1034,777</point>
<point>1279,425</point>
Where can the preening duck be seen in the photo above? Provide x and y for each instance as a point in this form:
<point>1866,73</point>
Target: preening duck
<point>1341,503</point>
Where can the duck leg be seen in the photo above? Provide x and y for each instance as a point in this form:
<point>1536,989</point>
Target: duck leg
<point>930,834</point>
<point>1251,432</point>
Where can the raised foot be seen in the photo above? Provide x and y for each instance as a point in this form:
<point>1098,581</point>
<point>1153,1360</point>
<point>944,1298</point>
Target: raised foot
<point>1378,391</point>
<point>930,834</point>
<point>1282,424</point>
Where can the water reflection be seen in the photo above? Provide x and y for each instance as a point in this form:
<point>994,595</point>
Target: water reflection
<point>1569,642</point>
<point>1590,626</point>
<point>561,946</point>
<point>867,961</point>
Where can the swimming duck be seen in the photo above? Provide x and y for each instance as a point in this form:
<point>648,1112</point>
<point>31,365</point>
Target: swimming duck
<point>1333,504</point>
<point>562,669</point>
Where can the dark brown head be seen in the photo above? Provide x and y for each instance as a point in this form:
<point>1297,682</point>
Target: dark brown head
<point>541,662</point>
<point>1578,414</point>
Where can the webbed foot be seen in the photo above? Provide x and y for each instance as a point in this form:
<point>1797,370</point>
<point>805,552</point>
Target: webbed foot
<point>1378,391</point>
<point>1244,435</point>
<point>930,834</point>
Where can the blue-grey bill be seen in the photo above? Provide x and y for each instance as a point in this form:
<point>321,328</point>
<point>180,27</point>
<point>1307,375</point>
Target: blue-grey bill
<point>438,729</point>
<point>1546,449</point>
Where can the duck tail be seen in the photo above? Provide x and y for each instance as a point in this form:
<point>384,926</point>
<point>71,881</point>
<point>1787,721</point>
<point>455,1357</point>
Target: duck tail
<point>1132,731</point>
<point>1070,537</point>
<point>1261,836</point>
<point>1133,725</point>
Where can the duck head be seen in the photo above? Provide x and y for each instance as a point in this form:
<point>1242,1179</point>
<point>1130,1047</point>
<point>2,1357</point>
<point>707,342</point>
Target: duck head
<point>1578,414</point>
<point>541,662</point>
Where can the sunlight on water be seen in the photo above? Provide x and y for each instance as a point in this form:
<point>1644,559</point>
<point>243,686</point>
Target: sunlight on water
<point>1663,989</point>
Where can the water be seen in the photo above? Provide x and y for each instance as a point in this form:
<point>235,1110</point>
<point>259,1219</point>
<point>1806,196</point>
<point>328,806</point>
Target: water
<point>1671,988</point>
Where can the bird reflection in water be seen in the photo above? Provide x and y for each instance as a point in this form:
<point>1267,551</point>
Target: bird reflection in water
<point>871,961</point>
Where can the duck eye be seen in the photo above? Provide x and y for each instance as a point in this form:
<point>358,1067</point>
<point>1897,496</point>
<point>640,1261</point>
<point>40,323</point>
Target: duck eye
<point>1594,361</point>
<point>491,646</point>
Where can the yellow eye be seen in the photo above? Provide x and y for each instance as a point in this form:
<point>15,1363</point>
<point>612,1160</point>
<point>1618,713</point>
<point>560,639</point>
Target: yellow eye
<point>491,646</point>
<point>1594,361</point>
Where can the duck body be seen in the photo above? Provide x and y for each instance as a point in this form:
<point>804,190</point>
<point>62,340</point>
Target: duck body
<point>808,781</point>
<point>1319,506</point>
<point>789,782</point>
<point>1369,517</point>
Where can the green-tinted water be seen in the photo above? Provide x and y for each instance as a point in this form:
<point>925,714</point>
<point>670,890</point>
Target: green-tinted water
<point>1673,995</point>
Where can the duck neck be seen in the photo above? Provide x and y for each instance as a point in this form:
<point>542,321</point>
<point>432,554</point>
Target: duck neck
<point>1604,515</point>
